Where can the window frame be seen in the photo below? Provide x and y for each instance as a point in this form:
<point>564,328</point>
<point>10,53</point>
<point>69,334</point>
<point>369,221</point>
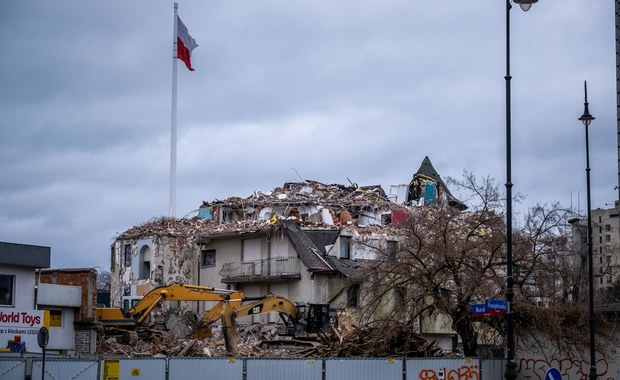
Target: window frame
<point>345,247</point>
<point>353,292</point>
<point>60,319</point>
<point>208,258</point>
<point>11,286</point>
<point>127,255</point>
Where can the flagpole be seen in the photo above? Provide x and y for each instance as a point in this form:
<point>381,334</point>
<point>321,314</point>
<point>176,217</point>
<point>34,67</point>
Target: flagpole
<point>173,128</point>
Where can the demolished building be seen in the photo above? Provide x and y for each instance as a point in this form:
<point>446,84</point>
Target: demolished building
<point>304,240</point>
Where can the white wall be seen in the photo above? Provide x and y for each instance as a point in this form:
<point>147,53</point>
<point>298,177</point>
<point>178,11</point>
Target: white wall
<point>23,296</point>
<point>63,337</point>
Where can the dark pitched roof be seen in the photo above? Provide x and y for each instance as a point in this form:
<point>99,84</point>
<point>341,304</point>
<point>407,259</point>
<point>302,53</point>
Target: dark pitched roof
<point>313,257</point>
<point>427,170</point>
<point>322,238</point>
<point>308,252</point>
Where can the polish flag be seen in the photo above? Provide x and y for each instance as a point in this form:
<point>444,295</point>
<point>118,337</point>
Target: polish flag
<point>185,44</point>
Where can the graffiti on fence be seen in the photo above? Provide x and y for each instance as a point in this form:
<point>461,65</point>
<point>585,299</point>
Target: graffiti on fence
<point>571,369</point>
<point>464,372</point>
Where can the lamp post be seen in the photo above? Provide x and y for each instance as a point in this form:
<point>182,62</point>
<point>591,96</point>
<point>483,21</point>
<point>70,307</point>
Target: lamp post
<point>511,373</point>
<point>586,119</point>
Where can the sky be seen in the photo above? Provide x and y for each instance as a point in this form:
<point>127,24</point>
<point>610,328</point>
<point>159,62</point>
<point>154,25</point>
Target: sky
<point>333,91</point>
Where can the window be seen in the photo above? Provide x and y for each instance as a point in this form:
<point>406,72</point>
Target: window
<point>145,262</point>
<point>399,296</point>
<point>392,247</point>
<point>127,255</point>
<point>345,247</point>
<point>607,238</point>
<point>7,284</point>
<point>112,259</point>
<point>55,318</point>
<point>352,295</point>
<point>607,227</point>
<point>207,257</point>
<point>600,239</point>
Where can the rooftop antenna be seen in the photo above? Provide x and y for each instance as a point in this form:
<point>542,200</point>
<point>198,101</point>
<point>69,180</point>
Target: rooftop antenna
<point>296,172</point>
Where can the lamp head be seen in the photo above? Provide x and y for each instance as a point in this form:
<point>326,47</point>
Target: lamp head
<point>586,118</point>
<point>525,4</point>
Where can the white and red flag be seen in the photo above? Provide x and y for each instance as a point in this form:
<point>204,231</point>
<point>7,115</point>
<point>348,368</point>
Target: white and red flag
<point>185,44</point>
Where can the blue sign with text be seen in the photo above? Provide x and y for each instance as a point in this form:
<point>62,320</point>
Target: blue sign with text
<point>497,306</point>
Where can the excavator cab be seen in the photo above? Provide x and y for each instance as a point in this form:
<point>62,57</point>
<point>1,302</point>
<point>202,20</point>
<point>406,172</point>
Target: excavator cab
<point>311,319</point>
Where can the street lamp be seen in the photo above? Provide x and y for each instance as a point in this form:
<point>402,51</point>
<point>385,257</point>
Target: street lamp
<point>586,119</point>
<point>511,373</point>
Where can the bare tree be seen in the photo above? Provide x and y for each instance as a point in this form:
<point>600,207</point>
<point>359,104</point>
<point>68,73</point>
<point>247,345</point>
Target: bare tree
<point>448,260</point>
<point>104,280</point>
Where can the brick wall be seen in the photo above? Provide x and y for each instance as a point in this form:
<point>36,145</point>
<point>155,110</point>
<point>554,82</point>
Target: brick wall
<point>85,338</point>
<point>86,278</point>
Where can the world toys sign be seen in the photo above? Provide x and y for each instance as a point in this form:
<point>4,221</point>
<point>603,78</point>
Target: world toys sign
<point>19,329</point>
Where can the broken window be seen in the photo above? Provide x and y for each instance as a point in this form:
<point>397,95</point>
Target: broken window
<point>145,262</point>
<point>345,247</point>
<point>207,258</point>
<point>353,295</point>
<point>7,283</point>
<point>607,227</point>
<point>127,255</point>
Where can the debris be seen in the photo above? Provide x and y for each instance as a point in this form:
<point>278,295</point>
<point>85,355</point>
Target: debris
<point>262,341</point>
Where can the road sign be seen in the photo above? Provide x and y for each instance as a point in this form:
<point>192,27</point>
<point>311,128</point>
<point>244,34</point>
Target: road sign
<point>497,307</point>
<point>43,336</point>
<point>479,310</point>
<point>553,374</point>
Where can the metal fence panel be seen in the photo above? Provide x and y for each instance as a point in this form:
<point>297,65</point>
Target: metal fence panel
<point>205,368</point>
<point>491,369</point>
<point>364,369</point>
<point>284,369</point>
<point>443,368</point>
<point>134,369</point>
<point>12,369</point>
<point>66,369</point>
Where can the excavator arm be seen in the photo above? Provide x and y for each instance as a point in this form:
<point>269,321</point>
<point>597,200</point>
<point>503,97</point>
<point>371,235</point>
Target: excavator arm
<point>267,304</point>
<point>174,292</point>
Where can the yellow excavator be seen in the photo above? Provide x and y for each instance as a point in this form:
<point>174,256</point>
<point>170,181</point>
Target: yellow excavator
<point>139,312</point>
<point>300,320</point>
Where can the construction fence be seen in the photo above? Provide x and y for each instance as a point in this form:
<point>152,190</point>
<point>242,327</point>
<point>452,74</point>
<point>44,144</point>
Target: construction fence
<point>111,368</point>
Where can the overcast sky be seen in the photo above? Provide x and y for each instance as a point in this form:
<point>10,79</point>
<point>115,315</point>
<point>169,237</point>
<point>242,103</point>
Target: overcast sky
<point>325,90</point>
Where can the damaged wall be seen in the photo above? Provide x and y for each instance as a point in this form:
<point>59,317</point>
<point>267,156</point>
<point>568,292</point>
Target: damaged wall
<point>144,260</point>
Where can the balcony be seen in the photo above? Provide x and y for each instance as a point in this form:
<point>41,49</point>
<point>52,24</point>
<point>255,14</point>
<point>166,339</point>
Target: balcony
<point>279,269</point>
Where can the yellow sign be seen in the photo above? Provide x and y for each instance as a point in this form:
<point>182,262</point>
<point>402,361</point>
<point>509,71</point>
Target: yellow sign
<point>111,370</point>
<point>135,372</point>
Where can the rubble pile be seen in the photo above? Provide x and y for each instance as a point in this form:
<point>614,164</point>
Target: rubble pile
<point>164,226</point>
<point>394,339</point>
<point>155,343</point>
<point>343,204</point>
<point>262,341</point>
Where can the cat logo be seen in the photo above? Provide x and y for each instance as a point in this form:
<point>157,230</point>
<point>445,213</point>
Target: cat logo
<point>256,309</point>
